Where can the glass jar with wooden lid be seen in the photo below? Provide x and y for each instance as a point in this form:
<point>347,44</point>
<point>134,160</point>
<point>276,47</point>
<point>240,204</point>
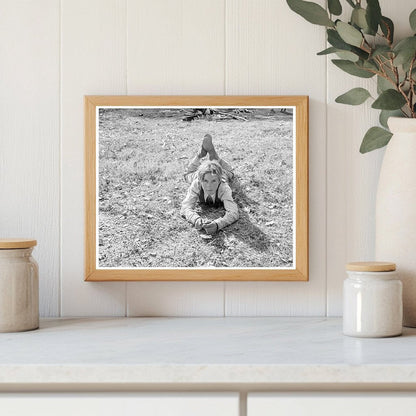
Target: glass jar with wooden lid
<point>19,286</point>
<point>372,300</point>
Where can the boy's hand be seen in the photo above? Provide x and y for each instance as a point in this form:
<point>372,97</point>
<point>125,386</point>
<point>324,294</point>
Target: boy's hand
<point>211,227</point>
<point>199,223</point>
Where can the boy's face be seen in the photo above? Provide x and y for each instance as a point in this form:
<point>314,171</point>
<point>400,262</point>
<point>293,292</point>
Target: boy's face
<point>210,183</point>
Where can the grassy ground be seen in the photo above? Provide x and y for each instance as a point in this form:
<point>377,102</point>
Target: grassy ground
<point>141,163</point>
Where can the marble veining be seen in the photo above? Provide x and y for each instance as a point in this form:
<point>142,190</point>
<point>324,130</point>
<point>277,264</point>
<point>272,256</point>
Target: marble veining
<point>203,350</point>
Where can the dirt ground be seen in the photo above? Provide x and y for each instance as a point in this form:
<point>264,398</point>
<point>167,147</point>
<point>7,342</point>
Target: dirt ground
<point>142,159</point>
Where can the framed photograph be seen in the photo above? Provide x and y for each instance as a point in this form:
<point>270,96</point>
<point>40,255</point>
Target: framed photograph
<point>196,188</point>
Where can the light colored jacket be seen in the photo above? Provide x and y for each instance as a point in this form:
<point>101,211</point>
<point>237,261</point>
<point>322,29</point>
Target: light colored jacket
<point>224,194</point>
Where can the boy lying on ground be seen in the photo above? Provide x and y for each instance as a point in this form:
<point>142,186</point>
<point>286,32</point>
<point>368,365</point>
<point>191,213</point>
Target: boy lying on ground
<point>209,186</point>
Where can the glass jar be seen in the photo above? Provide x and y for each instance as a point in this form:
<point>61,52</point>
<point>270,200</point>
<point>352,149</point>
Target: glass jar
<point>19,286</point>
<point>372,300</point>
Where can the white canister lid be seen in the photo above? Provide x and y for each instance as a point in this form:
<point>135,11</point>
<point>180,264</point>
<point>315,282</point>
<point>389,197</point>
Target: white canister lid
<point>371,266</point>
<point>12,243</point>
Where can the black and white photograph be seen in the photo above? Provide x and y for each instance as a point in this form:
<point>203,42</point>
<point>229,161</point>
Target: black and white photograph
<point>195,187</point>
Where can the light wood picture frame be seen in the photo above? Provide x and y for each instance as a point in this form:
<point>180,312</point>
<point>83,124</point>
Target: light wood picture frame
<point>137,150</point>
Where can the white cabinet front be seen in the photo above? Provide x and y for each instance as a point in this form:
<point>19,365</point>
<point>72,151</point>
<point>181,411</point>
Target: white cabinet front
<point>330,404</point>
<point>119,404</point>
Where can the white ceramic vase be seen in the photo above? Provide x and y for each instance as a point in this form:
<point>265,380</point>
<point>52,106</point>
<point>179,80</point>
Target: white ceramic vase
<point>396,210</point>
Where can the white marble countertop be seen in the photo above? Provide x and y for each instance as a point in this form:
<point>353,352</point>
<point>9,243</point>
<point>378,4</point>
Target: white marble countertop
<point>192,352</point>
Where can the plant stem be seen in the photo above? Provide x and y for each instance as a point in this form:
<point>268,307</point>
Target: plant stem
<point>411,81</point>
<point>398,85</point>
<point>383,36</point>
<point>395,72</point>
<point>384,73</point>
<point>408,102</point>
<point>365,42</point>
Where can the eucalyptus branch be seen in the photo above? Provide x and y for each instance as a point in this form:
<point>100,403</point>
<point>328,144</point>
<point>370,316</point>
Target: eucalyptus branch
<point>364,49</point>
<point>361,35</point>
<point>386,60</point>
<point>380,64</point>
<point>382,35</point>
<point>412,63</point>
<point>371,70</point>
<point>411,82</point>
<point>365,42</point>
<point>395,71</point>
<point>384,73</point>
<point>406,97</point>
<point>392,67</point>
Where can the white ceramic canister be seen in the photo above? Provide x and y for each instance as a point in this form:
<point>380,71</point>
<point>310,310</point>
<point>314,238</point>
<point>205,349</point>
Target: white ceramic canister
<point>19,286</point>
<point>372,300</point>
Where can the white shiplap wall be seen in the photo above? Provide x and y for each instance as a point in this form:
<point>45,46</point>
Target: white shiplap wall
<point>55,52</point>
<point>29,134</point>
<point>93,59</point>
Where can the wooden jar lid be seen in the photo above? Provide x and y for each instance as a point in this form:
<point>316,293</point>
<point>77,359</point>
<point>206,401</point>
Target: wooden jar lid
<point>10,243</point>
<point>371,266</point>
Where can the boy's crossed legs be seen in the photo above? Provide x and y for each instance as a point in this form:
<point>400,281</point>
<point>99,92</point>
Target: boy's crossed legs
<point>207,147</point>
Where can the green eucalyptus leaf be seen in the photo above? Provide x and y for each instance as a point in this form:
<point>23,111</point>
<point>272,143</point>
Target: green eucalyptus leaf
<point>412,20</point>
<point>348,56</point>
<point>389,100</point>
<point>373,15</point>
<point>381,51</point>
<point>392,75</point>
<point>334,7</point>
<point>387,27</point>
<point>383,84</point>
<point>405,50</point>
<point>361,53</point>
<point>386,114</point>
<point>311,12</point>
<point>335,40</point>
<point>328,51</point>
<point>352,68</point>
<point>358,18</point>
<point>404,43</point>
<point>356,96</point>
<point>371,64</point>
<point>375,138</point>
<point>349,34</point>
<point>406,65</point>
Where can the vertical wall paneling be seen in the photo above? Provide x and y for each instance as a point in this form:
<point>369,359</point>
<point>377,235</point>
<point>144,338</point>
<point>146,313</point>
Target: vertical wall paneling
<point>176,48</point>
<point>93,59</point>
<point>271,50</point>
<point>175,299</point>
<point>352,177</point>
<point>29,135</point>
